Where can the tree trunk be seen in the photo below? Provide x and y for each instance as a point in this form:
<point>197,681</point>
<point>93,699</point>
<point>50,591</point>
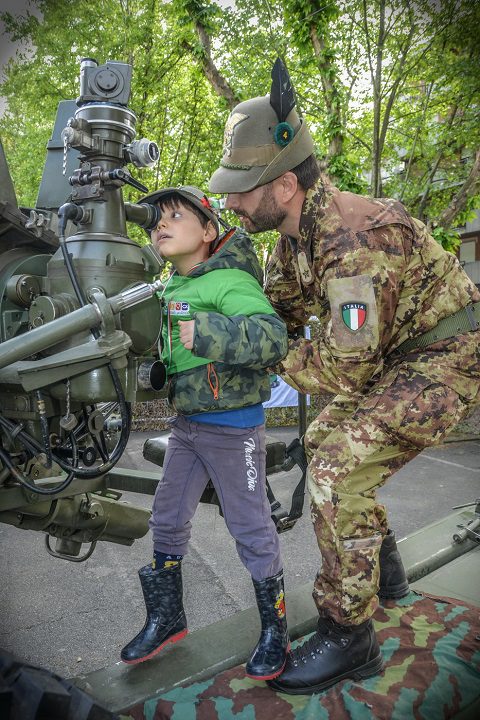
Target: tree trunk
<point>217,81</point>
<point>376,74</point>
<point>331,92</point>
<point>459,201</point>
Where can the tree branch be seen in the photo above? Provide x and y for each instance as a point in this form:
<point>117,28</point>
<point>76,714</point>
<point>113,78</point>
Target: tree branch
<point>459,201</point>
<point>216,80</point>
<point>423,200</point>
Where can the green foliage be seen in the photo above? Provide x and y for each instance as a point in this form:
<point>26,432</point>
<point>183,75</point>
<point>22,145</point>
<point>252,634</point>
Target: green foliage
<point>431,127</point>
<point>189,11</point>
<point>470,212</point>
<point>449,239</point>
<point>302,15</point>
<point>346,174</point>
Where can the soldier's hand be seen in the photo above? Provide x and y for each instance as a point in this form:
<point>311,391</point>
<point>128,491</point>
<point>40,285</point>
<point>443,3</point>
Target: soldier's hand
<point>187,328</point>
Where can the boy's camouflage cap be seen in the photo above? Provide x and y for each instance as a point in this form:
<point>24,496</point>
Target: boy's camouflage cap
<point>251,155</point>
<point>196,196</point>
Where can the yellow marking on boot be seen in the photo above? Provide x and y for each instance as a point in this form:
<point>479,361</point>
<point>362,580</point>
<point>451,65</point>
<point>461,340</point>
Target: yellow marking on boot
<point>280,605</point>
<point>170,563</point>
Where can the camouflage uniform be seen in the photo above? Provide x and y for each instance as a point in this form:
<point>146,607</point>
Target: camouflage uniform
<point>374,277</point>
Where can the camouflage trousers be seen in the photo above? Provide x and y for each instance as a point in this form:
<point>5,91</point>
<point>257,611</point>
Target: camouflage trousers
<point>353,447</point>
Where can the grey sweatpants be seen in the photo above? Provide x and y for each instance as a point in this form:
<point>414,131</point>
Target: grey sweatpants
<point>234,460</point>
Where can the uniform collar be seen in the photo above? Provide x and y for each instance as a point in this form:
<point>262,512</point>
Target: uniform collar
<point>313,210</point>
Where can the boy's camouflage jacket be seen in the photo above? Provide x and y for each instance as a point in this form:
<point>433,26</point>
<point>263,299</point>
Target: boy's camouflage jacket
<point>374,277</point>
<point>237,333</point>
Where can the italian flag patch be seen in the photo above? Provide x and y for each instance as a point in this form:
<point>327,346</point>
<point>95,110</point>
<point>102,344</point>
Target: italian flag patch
<point>354,315</point>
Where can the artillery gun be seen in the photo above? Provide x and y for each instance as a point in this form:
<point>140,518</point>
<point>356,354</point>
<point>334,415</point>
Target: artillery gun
<point>79,322</point>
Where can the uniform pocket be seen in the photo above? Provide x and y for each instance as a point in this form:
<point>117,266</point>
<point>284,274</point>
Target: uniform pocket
<point>432,414</point>
<point>412,409</point>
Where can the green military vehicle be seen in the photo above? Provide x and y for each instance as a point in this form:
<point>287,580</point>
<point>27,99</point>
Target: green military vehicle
<point>79,320</point>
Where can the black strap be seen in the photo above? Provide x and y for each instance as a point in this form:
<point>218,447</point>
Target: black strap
<point>463,321</point>
<point>294,455</point>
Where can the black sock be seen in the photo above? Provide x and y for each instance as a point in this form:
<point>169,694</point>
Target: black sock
<point>162,560</point>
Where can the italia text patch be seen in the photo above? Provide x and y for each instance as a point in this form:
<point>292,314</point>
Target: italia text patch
<point>354,315</point>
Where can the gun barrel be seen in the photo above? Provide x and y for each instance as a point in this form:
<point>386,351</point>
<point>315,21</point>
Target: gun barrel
<point>51,333</point>
<point>85,318</point>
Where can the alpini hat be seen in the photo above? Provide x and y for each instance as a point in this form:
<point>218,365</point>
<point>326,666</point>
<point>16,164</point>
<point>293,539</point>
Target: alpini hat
<point>264,137</point>
<point>196,196</point>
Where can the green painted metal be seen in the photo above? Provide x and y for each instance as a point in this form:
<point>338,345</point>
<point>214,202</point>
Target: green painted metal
<point>433,546</point>
<point>212,649</point>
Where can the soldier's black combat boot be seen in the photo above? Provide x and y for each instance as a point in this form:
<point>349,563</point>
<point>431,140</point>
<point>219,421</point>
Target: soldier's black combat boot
<point>393,579</point>
<point>166,622</point>
<point>335,652</point>
<point>269,657</point>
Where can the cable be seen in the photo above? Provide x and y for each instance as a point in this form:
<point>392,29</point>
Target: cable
<point>23,480</point>
<point>70,211</point>
<point>35,447</point>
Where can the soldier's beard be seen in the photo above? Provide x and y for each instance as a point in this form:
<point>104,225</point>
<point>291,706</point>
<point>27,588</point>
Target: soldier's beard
<point>267,216</point>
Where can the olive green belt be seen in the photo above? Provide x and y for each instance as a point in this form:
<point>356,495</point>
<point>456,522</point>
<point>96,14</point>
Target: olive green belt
<point>463,321</point>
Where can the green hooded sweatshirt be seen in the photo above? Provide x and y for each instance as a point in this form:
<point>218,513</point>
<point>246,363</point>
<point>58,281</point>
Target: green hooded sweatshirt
<point>237,333</point>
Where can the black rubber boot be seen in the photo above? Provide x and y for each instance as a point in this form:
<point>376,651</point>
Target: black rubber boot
<point>393,579</point>
<point>166,622</point>
<point>335,652</point>
<point>269,657</point>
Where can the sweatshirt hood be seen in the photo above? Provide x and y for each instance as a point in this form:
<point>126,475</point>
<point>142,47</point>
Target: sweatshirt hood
<point>237,252</point>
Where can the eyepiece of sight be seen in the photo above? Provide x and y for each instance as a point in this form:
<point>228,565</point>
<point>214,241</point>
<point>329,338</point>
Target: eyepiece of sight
<point>142,153</point>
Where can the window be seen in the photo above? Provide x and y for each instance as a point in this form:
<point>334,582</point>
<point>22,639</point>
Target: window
<point>467,251</point>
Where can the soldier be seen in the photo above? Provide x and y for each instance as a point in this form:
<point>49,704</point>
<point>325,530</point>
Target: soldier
<point>219,336</point>
<point>399,348</point>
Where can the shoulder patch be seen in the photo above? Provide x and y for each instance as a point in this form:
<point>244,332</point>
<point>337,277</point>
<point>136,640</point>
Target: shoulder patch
<point>304,268</point>
<point>354,313</point>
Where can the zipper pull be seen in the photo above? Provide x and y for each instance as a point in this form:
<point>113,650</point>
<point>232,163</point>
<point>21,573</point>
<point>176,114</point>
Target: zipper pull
<point>214,386</point>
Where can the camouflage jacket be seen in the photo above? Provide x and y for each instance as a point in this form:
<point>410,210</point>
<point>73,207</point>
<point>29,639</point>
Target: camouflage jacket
<point>237,334</point>
<point>374,277</point>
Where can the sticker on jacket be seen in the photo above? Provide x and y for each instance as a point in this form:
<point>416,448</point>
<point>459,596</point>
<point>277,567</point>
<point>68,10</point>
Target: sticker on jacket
<point>178,308</point>
<point>354,314</point>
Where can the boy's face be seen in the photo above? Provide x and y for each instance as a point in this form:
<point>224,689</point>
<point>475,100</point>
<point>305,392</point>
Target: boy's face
<point>180,237</point>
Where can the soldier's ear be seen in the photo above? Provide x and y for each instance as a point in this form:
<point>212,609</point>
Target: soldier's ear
<point>287,186</point>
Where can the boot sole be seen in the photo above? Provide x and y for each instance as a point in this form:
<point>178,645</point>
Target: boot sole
<point>374,667</point>
<point>274,674</point>
<point>173,639</point>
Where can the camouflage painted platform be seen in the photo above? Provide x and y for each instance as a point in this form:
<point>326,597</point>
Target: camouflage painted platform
<point>432,651</point>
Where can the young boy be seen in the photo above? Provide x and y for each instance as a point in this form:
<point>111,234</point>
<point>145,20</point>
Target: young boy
<point>219,336</point>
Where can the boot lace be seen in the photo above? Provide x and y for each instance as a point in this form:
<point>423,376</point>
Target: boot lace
<point>318,643</point>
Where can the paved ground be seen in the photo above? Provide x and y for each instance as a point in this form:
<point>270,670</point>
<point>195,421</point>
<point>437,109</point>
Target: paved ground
<point>74,618</point>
